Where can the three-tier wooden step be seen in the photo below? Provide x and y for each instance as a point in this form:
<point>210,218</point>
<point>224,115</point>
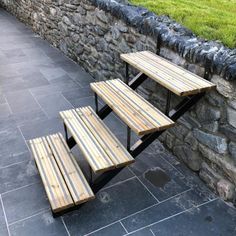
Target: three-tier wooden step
<point>166,73</point>
<point>64,182</point>
<point>141,116</point>
<point>100,147</point>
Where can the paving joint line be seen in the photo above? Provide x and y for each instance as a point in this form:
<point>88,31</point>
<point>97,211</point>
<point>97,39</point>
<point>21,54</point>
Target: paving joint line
<point>5,216</point>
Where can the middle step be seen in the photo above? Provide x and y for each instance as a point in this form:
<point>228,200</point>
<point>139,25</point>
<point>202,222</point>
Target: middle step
<point>101,148</point>
<point>141,116</point>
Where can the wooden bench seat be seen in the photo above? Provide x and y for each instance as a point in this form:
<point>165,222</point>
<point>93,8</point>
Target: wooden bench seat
<point>166,73</point>
<point>62,177</point>
<point>100,147</point>
<point>134,110</point>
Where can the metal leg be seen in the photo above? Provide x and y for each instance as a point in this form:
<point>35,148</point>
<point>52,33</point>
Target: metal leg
<point>66,133</point>
<point>179,110</point>
<point>168,102</point>
<point>96,102</point>
<point>126,73</point>
<point>128,137</point>
<point>91,175</point>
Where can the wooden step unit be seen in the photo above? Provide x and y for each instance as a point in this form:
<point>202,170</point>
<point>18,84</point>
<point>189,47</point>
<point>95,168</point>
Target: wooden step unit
<point>166,73</point>
<point>141,116</point>
<point>62,177</point>
<point>100,147</point>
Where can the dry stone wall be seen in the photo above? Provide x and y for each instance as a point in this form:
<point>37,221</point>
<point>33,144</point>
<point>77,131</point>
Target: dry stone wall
<point>95,32</point>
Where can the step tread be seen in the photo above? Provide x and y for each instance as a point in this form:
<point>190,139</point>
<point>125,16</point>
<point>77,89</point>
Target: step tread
<point>141,116</point>
<point>173,77</point>
<point>62,177</point>
<point>101,148</point>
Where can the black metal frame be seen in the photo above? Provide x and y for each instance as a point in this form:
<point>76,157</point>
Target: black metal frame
<point>145,140</point>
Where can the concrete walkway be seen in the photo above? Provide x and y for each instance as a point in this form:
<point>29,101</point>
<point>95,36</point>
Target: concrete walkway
<point>36,82</point>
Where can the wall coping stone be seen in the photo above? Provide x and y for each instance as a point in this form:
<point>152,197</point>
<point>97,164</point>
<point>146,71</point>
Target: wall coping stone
<point>222,60</point>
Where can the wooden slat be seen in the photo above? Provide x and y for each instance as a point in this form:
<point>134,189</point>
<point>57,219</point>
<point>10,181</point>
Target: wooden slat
<point>138,114</point>
<point>74,178</point>
<point>100,147</point>
<point>56,189</point>
<point>115,150</point>
<point>156,117</point>
<point>94,153</point>
<point>127,113</point>
<point>169,75</point>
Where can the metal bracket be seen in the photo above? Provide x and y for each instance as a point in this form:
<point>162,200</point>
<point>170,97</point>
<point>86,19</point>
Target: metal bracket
<point>207,69</point>
<point>158,45</point>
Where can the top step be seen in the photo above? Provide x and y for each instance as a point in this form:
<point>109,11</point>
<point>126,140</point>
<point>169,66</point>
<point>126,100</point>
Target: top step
<point>166,73</point>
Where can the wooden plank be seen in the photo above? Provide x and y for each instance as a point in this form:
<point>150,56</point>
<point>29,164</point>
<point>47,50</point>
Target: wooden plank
<point>74,178</point>
<point>90,147</point>
<point>131,116</point>
<point>169,75</point>
<point>136,112</point>
<point>114,149</point>
<point>150,112</point>
<point>56,189</point>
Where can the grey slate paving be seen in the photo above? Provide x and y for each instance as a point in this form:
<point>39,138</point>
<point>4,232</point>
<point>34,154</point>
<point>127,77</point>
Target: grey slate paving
<point>165,209</point>
<point>21,101</point>
<point>12,147</point>
<point>36,81</point>
<point>42,128</point>
<point>114,230</point>
<point>4,110</point>
<point>18,175</point>
<point>3,226</point>
<point>38,225</point>
<point>2,99</point>
<point>53,104</point>
<point>110,205</point>
<point>212,219</point>
<point>25,202</point>
<point>147,162</point>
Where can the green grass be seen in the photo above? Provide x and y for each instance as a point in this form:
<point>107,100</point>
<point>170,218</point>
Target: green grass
<point>210,19</point>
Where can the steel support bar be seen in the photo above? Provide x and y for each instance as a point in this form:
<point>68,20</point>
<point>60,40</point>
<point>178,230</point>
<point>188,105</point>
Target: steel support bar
<point>134,83</point>
<point>128,137</point>
<point>180,109</point>
<point>66,133</point>
<point>71,142</point>
<point>168,102</point>
<point>96,102</point>
<point>126,73</point>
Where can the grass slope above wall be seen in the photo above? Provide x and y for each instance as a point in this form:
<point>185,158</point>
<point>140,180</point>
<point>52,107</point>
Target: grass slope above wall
<point>210,19</point>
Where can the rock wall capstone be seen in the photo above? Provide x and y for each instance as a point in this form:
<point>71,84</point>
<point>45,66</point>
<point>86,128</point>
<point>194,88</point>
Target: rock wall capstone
<point>95,32</point>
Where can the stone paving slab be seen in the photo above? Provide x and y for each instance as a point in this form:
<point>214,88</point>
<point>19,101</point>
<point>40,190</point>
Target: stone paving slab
<point>36,81</point>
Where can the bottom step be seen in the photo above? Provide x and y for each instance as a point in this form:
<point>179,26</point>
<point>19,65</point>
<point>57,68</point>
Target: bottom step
<point>63,179</point>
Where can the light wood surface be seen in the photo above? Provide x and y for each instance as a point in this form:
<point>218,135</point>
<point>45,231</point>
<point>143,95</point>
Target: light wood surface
<point>63,179</point>
<point>166,73</point>
<point>100,147</point>
<point>141,116</point>
<point>57,192</point>
<point>74,178</point>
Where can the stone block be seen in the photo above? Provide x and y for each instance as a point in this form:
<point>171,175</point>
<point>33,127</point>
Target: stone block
<point>226,189</point>
<point>190,157</point>
<point>215,142</point>
<point>232,150</point>
<point>223,162</point>
<point>206,112</point>
<point>224,87</point>
<point>210,176</point>
<point>231,114</point>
